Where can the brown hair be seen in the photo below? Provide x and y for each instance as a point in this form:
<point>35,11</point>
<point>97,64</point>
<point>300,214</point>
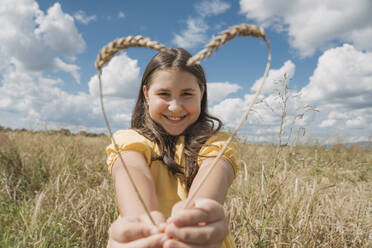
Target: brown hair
<point>195,135</point>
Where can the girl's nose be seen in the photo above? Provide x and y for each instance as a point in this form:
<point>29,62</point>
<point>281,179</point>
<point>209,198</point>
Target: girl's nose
<point>174,106</point>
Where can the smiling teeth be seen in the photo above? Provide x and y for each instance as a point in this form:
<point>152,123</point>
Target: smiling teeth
<point>174,118</point>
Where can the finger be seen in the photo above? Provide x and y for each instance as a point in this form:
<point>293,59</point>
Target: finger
<point>172,243</point>
<point>211,233</point>
<point>178,207</point>
<point>153,241</point>
<point>159,219</point>
<point>132,218</point>
<point>160,228</point>
<point>157,216</point>
<point>204,211</point>
<point>123,231</point>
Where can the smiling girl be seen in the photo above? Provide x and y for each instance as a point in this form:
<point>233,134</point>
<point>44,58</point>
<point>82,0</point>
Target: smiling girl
<point>170,146</point>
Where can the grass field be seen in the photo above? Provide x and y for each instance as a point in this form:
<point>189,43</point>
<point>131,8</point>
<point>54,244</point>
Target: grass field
<point>57,192</point>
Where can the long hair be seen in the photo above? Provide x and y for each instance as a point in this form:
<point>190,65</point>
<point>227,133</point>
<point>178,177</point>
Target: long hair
<point>195,135</point>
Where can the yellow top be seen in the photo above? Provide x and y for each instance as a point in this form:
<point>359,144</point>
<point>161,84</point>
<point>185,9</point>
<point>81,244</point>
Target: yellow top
<point>169,189</point>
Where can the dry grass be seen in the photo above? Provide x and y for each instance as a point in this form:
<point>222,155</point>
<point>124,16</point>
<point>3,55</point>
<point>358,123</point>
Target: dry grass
<point>56,192</point>
<point>314,197</point>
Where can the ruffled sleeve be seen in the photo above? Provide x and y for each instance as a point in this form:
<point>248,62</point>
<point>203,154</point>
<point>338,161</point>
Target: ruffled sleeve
<point>214,144</point>
<point>128,140</point>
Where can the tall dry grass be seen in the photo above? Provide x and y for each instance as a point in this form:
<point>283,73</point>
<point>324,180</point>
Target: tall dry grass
<point>56,192</point>
<point>310,197</point>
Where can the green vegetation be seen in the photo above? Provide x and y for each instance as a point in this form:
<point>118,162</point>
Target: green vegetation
<point>55,191</point>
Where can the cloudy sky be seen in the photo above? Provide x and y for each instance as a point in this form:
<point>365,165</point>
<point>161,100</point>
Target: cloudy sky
<point>321,48</point>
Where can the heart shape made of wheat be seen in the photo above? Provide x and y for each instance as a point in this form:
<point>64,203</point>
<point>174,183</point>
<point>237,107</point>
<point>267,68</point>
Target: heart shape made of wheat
<point>109,51</point>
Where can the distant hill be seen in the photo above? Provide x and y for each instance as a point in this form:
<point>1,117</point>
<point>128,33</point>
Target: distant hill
<point>367,144</point>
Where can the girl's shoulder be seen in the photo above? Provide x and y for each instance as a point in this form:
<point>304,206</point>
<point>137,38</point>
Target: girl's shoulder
<point>126,136</point>
<point>215,143</point>
<point>130,140</point>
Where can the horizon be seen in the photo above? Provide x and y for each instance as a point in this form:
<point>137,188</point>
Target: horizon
<point>68,132</point>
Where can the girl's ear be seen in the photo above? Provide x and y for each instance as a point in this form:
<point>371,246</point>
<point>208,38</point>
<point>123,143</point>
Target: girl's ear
<point>145,93</point>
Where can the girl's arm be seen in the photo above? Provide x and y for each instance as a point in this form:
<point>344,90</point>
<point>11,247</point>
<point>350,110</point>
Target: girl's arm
<point>127,200</point>
<point>204,224</point>
<point>134,228</point>
<point>217,183</point>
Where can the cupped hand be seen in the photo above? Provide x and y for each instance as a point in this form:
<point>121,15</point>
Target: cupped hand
<point>137,231</point>
<point>201,225</point>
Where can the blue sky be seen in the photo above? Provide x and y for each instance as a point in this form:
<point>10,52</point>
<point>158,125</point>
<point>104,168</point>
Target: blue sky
<point>48,50</point>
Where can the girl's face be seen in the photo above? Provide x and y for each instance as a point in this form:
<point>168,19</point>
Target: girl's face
<point>174,99</point>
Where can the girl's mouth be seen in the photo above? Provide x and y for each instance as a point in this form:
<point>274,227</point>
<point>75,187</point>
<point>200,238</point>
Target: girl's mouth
<point>175,118</point>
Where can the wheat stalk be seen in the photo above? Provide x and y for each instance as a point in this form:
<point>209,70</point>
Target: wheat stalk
<point>229,34</point>
<point>103,58</point>
<point>109,51</point>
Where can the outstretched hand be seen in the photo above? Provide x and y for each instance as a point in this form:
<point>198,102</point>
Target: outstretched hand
<point>137,231</point>
<point>202,225</point>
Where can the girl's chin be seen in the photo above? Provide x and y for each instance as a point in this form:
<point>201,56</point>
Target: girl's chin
<point>174,132</point>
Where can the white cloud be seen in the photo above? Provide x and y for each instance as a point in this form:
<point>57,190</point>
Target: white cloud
<point>197,27</point>
<point>33,96</point>
<point>264,120</point>
<point>218,91</point>
<point>341,89</point>
<point>358,121</point>
<point>124,117</point>
<point>229,111</point>
<point>121,15</point>
<point>83,18</point>
<point>193,35</point>
<point>262,124</point>
<point>312,25</point>
<point>275,76</point>
<point>352,125</point>
<point>119,78</point>
<point>59,32</point>
<point>33,45</point>
<point>212,7</point>
<point>70,68</point>
<point>342,77</point>
<point>33,40</point>
<point>327,123</point>
<point>335,115</point>
<point>32,99</point>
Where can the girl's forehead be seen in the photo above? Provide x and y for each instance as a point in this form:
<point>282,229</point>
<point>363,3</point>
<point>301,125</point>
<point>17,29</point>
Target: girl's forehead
<point>172,72</point>
<point>173,78</point>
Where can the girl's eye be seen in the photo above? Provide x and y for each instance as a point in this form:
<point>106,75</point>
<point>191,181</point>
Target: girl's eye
<point>187,94</point>
<point>163,94</point>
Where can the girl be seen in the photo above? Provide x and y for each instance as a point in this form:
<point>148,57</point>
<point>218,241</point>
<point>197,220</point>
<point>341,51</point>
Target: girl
<point>170,146</point>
